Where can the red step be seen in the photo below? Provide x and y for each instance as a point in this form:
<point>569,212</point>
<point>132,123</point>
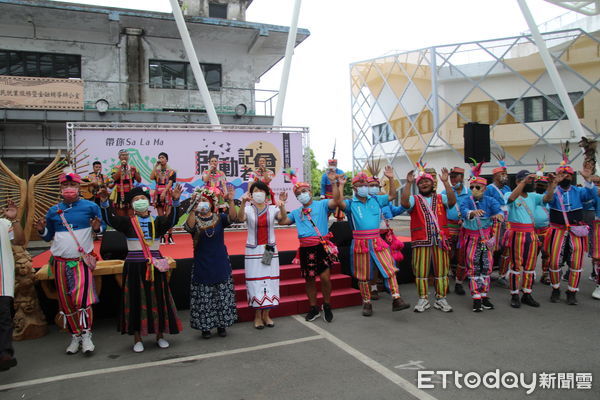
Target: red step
<point>293,295</point>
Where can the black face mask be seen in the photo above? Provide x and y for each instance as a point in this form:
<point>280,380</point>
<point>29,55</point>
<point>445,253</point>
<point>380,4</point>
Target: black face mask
<point>528,188</point>
<point>540,190</point>
<point>565,183</point>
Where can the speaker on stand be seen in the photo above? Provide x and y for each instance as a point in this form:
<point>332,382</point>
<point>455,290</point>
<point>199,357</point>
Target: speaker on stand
<point>477,142</point>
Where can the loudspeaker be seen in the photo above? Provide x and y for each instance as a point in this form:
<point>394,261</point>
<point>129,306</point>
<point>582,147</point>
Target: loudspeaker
<point>477,142</point>
<point>113,246</point>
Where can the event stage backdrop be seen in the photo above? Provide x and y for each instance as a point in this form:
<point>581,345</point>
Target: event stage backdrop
<point>238,152</point>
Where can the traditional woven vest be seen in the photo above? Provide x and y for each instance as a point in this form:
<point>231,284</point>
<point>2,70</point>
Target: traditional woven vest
<point>421,225</point>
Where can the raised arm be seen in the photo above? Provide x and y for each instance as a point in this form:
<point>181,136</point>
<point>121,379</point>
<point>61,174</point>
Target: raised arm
<point>406,191</point>
<point>449,192</point>
<point>519,189</point>
<point>118,223</point>
<point>554,180</point>
<point>389,173</point>
<point>241,214</point>
<point>337,185</point>
<point>10,212</point>
<point>282,215</point>
<point>232,211</point>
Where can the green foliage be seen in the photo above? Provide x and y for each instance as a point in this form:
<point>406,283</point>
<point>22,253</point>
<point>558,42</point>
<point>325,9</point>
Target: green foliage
<point>315,173</point>
<point>348,192</point>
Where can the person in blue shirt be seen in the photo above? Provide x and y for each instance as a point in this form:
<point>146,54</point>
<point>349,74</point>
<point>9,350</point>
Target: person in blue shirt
<point>457,263</point>
<point>542,226</point>
<point>70,226</point>
<point>317,253</point>
<point>326,186</point>
<point>521,239</point>
<point>478,213</point>
<point>497,189</point>
<point>369,250</point>
<point>388,212</point>
<point>567,237</point>
<point>596,247</point>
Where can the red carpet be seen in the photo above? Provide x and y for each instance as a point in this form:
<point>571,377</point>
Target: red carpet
<point>287,239</point>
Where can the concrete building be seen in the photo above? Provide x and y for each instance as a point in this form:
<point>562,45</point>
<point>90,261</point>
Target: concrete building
<point>121,65</point>
<point>414,104</point>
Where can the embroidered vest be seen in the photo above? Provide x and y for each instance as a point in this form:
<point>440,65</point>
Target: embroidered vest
<point>422,227</point>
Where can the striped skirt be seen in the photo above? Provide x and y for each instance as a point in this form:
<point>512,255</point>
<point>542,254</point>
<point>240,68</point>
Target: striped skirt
<point>262,281</point>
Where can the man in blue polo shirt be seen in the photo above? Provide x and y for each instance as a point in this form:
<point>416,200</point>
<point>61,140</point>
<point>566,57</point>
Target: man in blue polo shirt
<point>455,220</point>
<point>369,250</point>
<point>315,251</point>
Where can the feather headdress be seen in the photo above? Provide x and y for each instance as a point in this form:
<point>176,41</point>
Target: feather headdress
<point>500,156</point>
<point>564,164</point>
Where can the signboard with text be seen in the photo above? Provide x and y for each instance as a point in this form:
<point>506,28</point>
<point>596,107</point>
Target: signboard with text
<point>189,151</point>
<point>23,92</point>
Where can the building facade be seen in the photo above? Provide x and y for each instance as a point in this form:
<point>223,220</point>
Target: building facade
<point>64,62</point>
<point>413,106</point>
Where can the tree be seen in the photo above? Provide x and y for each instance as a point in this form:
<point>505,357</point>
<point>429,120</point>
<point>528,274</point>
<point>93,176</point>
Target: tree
<point>315,173</point>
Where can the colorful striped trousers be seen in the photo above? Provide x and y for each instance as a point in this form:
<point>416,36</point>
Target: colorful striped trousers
<point>596,249</point>
<point>370,251</point>
<point>541,234</point>
<point>76,293</point>
<point>479,259</point>
<point>562,242</point>
<point>523,244</point>
<point>422,257</point>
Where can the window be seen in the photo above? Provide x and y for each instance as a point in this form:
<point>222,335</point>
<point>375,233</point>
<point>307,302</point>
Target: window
<point>383,134</point>
<point>217,10</point>
<point>179,75</point>
<point>46,65</point>
<point>527,109</point>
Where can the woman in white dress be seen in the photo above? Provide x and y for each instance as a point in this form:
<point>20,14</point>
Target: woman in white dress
<point>262,259</point>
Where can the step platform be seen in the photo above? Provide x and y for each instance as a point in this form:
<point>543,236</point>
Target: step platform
<point>293,294</point>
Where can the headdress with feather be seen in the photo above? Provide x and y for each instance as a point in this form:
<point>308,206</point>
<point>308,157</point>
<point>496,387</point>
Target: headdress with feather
<point>421,173</point>
<point>476,172</point>
<point>500,155</point>
<point>564,164</point>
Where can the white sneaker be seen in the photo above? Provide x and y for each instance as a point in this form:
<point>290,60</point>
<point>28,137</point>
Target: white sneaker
<point>87,346</point>
<point>422,305</point>
<point>138,347</point>
<point>162,343</point>
<point>74,345</point>
<point>442,305</point>
<point>596,293</point>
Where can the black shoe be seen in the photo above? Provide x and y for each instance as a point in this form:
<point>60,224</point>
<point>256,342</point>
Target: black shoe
<point>555,296</point>
<point>222,332</point>
<point>7,362</point>
<point>171,241</point>
<point>514,301</point>
<point>313,314</point>
<point>487,304</point>
<point>477,307</point>
<point>458,289</point>
<point>545,280</point>
<point>367,309</point>
<point>162,240</point>
<point>528,299</point>
<point>374,295</point>
<point>399,304</point>
<point>571,299</point>
<point>206,335</point>
<point>327,314</point>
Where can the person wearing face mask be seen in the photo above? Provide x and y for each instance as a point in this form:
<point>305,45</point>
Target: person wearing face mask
<point>145,287</point>
<point>212,294</point>
<point>566,241</point>
<point>454,216</point>
<point>387,213</point>
<point>521,239</point>
<point>70,225</point>
<point>316,253</point>
<point>479,211</point>
<point>429,235</point>
<point>541,215</point>
<point>327,188</point>
<point>498,189</point>
<point>123,177</point>
<point>369,251</point>
<point>262,277</point>
<point>165,178</point>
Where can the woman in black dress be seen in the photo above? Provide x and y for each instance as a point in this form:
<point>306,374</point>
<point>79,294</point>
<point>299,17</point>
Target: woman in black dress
<point>146,306</point>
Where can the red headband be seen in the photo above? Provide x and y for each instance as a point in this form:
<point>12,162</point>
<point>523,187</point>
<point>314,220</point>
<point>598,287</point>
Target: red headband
<point>361,177</point>
<point>480,180</point>
<point>71,176</point>
<point>424,176</point>
<point>301,185</point>
<point>498,170</point>
<point>565,168</point>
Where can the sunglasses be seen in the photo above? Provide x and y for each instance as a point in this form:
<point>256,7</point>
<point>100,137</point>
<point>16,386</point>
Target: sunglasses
<point>476,187</point>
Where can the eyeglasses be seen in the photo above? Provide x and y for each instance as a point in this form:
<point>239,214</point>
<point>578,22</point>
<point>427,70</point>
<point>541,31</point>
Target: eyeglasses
<point>476,187</point>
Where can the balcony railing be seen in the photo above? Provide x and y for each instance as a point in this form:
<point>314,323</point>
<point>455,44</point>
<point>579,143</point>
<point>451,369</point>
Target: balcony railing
<point>136,96</point>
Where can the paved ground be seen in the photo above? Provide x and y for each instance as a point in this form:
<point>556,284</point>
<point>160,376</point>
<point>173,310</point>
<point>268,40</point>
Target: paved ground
<point>352,358</point>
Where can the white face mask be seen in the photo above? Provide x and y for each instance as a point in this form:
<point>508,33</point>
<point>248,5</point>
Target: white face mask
<point>373,190</point>
<point>203,207</point>
<point>259,197</point>
<point>362,191</point>
<point>303,198</point>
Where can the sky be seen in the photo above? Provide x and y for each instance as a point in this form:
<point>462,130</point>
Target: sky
<point>347,31</point>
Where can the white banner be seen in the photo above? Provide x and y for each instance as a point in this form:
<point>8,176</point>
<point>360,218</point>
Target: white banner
<point>189,152</point>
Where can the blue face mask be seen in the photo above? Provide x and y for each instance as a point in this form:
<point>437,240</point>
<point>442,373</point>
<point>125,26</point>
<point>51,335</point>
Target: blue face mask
<point>362,191</point>
<point>303,198</point>
<point>373,190</point>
